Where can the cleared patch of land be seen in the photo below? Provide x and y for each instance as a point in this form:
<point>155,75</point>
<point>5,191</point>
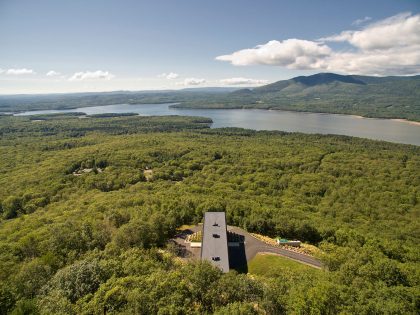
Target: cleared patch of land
<point>271,265</point>
<point>148,174</point>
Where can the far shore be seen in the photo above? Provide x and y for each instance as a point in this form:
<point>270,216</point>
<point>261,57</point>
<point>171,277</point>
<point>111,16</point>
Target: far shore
<point>402,120</point>
<point>411,122</point>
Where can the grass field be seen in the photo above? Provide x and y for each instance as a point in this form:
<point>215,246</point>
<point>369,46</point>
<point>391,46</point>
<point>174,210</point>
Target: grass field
<point>271,265</point>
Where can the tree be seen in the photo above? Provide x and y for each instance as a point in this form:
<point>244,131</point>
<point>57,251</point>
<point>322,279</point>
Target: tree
<point>77,280</point>
<point>12,205</point>
<point>238,308</point>
<point>7,298</point>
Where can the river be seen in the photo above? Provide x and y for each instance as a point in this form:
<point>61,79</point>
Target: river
<point>260,119</point>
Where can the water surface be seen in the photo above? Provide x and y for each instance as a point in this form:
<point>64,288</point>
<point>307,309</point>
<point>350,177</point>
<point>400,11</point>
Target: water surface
<point>260,119</point>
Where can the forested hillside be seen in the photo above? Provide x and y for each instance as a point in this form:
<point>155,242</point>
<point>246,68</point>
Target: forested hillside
<point>84,231</point>
<point>381,97</point>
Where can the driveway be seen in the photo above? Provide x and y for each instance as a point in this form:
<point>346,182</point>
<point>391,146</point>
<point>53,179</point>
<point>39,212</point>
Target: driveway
<point>252,247</point>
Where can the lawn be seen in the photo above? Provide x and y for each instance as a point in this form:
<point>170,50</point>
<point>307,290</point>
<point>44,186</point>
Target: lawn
<point>271,265</point>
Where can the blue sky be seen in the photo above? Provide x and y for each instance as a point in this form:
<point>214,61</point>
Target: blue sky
<point>134,45</point>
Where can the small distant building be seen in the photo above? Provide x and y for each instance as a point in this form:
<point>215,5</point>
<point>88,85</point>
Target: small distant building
<point>215,243</point>
<point>282,241</point>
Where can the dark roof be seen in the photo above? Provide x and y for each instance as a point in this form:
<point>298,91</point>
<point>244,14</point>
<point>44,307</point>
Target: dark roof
<point>214,246</point>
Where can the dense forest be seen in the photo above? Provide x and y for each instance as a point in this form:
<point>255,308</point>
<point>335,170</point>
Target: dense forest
<point>380,97</point>
<point>84,231</point>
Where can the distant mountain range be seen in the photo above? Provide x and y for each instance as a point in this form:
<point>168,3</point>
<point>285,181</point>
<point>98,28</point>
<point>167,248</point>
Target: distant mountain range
<point>332,80</point>
<point>385,97</point>
<point>211,89</point>
<point>369,96</point>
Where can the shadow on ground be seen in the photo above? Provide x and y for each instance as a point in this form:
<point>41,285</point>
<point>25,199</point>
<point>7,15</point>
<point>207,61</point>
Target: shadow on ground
<point>179,250</point>
<point>185,233</point>
<point>237,258</point>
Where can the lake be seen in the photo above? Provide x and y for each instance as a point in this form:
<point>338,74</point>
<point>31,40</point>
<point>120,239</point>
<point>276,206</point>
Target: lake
<point>260,119</point>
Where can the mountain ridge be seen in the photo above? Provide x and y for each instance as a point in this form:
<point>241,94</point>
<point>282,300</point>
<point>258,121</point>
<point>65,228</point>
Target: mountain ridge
<point>326,78</point>
<point>368,96</point>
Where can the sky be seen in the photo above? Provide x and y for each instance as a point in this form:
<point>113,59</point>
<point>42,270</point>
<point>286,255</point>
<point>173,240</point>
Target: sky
<point>59,46</point>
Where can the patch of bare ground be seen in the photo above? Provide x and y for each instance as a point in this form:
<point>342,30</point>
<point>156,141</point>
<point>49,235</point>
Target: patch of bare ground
<point>148,173</point>
<point>86,170</point>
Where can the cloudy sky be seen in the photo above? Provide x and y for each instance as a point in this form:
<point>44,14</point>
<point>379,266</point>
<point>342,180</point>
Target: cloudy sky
<point>70,46</point>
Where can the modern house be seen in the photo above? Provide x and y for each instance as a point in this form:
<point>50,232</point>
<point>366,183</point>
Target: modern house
<point>215,243</point>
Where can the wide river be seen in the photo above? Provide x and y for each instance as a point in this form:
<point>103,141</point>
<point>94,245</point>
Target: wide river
<point>259,119</point>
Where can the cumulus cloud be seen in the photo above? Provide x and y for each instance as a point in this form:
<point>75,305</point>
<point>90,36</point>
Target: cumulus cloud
<point>193,81</point>
<point>52,73</point>
<point>91,75</point>
<point>169,76</point>
<point>387,47</point>
<point>242,81</point>
<point>401,30</point>
<point>361,21</point>
<point>20,71</point>
<point>292,53</point>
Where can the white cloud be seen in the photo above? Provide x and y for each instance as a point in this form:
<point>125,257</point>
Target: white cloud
<point>194,81</point>
<point>361,21</point>
<point>21,71</point>
<point>169,76</point>
<point>94,75</point>
<point>242,81</point>
<point>292,53</point>
<point>393,62</point>
<point>387,47</point>
<point>52,73</point>
<point>401,30</point>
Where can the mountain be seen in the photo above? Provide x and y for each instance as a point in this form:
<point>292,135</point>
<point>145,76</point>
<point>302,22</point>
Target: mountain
<point>214,89</point>
<point>369,96</point>
<point>307,81</point>
<point>384,97</point>
<point>331,79</point>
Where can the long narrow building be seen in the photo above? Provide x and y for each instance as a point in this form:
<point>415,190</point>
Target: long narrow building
<point>215,244</point>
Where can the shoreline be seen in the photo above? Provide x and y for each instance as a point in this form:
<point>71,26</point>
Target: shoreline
<point>411,122</point>
<point>402,120</point>
<point>170,105</point>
